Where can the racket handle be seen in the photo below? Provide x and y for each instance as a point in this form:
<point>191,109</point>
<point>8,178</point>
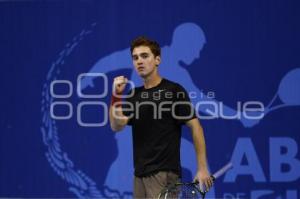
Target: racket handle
<point>213,178</point>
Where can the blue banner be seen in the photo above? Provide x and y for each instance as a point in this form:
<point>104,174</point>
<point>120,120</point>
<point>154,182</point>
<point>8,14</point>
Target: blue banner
<point>238,60</point>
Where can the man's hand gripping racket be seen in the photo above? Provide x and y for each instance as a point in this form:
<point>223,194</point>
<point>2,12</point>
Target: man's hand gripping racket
<point>190,189</point>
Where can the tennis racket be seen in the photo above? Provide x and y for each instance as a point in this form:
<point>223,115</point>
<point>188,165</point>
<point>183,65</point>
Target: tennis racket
<point>189,190</point>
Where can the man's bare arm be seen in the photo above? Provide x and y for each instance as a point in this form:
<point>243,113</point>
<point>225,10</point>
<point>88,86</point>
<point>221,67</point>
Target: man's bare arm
<point>203,175</point>
<point>116,117</point>
<point>117,120</point>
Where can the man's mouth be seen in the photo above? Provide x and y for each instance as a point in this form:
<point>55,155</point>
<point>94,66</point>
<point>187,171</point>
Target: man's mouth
<point>141,68</point>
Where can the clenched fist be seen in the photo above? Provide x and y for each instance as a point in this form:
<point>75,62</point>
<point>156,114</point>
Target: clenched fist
<point>119,84</point>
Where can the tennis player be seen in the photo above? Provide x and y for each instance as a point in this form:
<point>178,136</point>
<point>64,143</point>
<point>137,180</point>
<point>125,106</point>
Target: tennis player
<point>156,111</point>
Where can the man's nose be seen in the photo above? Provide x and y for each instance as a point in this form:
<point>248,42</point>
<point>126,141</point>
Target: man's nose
<point>140,61</point>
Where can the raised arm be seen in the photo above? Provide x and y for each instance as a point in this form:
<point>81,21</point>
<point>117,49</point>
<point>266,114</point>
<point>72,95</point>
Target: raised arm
<point>116,117</point>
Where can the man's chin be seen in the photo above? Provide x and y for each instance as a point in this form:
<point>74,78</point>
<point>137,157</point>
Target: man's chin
<point>143,75</point>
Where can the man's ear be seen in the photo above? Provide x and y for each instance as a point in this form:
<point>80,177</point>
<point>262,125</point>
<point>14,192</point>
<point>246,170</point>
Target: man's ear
<point>157,60</point>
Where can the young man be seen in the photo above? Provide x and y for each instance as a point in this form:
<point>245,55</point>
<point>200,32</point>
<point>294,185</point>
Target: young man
<point>156,112</point>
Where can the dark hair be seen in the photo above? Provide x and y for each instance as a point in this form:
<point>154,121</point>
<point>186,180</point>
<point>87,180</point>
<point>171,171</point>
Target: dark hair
<point>144,41</point>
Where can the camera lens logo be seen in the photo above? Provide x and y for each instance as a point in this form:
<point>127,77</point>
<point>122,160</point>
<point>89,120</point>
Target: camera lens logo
<point>62,100</point>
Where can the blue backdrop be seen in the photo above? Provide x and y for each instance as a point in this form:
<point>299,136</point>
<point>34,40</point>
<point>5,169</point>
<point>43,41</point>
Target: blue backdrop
<point>58,59</point>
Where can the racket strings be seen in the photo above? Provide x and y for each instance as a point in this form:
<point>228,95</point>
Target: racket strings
<point>183,191</point>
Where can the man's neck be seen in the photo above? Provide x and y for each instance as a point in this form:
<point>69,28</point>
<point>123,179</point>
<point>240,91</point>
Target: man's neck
<point>152,81</point>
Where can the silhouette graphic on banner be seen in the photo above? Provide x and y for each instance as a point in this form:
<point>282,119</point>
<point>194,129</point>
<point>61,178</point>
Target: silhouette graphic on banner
<point>187,42</point>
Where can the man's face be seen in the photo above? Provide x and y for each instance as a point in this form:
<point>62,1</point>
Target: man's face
<point>144,61</point>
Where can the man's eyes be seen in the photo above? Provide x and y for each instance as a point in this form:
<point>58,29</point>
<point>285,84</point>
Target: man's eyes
<point>144,56</point>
